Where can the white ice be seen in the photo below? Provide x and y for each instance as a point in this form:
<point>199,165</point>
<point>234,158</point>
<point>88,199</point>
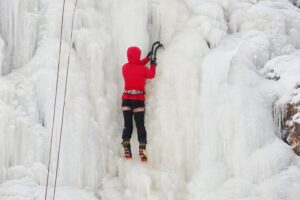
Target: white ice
<point>213,110</point>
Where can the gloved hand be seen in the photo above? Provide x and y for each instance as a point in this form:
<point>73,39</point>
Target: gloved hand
<point>153,62</point>
<point>149,55</point>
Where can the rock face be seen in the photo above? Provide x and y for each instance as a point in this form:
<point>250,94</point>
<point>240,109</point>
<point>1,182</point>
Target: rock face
<point>292,121</point>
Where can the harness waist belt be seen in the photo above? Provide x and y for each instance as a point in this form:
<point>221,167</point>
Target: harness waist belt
<point>134,92</point>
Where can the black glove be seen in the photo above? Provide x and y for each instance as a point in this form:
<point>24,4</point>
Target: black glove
<point>153,62</point>
<point>149,55</point>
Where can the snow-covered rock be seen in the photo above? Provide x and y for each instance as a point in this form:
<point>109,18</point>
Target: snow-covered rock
<point>292,121</point>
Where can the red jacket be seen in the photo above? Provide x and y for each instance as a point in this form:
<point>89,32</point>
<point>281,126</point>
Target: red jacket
<point>135,73</point>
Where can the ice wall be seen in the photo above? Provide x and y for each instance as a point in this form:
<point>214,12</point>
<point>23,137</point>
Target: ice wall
<point>209,110</point>
<point>92,118</point>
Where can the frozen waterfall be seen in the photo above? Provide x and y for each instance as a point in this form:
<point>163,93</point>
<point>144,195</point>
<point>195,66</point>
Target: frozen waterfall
<point>211,130</point>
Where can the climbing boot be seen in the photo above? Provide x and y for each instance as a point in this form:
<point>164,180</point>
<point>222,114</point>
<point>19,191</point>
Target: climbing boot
<point>127,149</point>
<point>143,152</point>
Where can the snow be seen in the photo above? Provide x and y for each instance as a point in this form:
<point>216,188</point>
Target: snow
<point>277,67</point>
<point>25,189</point>
<point>227,67</point>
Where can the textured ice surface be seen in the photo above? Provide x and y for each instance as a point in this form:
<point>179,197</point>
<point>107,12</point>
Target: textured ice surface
<point>209,115</point>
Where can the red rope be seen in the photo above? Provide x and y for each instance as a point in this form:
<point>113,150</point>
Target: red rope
<point>65,94</point>
<point>55,99</point>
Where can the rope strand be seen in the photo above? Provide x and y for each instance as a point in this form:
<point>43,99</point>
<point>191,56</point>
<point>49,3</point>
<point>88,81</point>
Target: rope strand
<point>55,98</point>
<point>64,104</point>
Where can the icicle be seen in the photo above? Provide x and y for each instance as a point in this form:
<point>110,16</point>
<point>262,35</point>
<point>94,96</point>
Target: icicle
<point>1,54</point>
<point>154,27</point>
<point>18,27</point>
<point>279,114</point>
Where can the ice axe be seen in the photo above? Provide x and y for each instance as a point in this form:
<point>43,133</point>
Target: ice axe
<point>156,45</point>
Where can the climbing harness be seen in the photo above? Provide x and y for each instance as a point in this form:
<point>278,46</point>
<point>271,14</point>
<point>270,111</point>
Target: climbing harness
<point>134,92</point>
<point>55,99</point>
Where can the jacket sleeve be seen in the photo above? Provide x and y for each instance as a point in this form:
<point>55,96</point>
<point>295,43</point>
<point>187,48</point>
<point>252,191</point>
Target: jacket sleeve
<point>144,61</point>
<point>150,73</point>
<point>124,71</point>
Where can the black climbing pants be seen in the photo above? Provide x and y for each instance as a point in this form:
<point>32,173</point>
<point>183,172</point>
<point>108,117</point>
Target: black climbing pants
<point>136,109</point>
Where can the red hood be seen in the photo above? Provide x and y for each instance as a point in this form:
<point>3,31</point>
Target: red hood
<point>133,55</point>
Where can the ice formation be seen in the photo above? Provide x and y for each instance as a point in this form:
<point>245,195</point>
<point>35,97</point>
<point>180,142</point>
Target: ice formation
<point>211,129</point>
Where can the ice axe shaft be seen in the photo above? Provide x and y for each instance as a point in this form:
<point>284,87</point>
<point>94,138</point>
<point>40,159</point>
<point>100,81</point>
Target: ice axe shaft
<point>158,47</point>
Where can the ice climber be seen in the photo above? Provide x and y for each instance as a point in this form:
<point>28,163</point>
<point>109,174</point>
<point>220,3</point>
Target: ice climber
<point>135,74</point>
